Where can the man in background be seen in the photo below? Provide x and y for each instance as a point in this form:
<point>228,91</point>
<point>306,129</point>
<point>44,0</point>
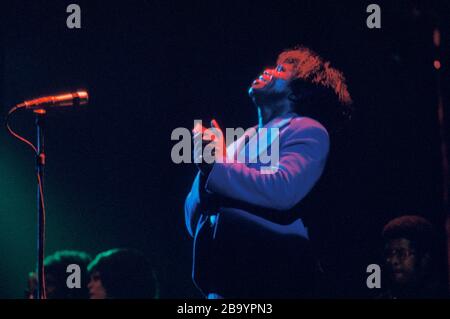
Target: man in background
<point>122,274</point>
<point>56,275</point>
<point>411,259</point>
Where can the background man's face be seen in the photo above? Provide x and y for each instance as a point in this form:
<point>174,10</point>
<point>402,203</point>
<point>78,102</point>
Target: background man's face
<point>273,83</point>
<point>402,262</point>
<point>95,286</point>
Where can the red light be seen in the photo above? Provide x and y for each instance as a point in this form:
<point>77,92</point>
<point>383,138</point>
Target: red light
<point>437,64</point>
<point>437,37</point>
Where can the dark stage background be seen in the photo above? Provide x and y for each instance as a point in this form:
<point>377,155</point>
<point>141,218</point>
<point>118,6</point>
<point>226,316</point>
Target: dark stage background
<point>152,66</point>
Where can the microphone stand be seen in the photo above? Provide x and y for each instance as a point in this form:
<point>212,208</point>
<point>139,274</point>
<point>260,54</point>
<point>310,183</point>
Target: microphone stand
<point>38,105</point>
<point>40,164</point>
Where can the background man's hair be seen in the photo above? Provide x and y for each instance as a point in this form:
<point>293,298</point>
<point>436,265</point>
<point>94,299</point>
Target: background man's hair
<point>416,229</point>
<point>56,267</point>
<point>321,89</point>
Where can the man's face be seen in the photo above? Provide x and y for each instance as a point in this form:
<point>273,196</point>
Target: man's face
<point>402,262</point>
<point>95,286</point>
<point>273,82</point>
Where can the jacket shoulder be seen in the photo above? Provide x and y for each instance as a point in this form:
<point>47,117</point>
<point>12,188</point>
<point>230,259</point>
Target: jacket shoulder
<point>305,125</point>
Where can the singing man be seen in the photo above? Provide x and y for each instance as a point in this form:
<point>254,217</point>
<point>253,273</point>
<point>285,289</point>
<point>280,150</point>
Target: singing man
<point>249,237</point>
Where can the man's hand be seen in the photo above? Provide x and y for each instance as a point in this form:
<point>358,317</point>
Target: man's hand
<point>209,146</point>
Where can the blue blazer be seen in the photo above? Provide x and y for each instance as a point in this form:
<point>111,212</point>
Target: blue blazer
<point>249,240</point>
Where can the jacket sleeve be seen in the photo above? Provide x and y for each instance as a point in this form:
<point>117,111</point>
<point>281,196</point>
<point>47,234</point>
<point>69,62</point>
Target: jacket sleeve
<point>303,151</point>
<point>192,206</point>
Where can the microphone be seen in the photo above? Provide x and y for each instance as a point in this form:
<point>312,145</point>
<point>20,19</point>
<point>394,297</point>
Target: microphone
<point>74,99</point>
